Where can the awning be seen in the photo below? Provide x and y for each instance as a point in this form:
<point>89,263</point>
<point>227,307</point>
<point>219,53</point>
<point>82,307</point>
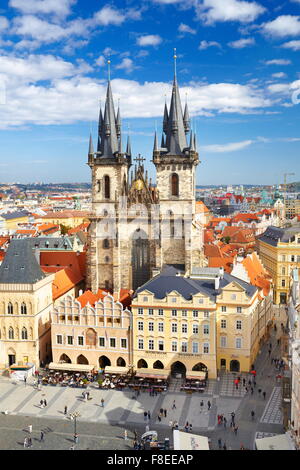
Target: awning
<point>116,370</point>
<point>195,375</point>
<point>152,373</point>
<point>72,367</point>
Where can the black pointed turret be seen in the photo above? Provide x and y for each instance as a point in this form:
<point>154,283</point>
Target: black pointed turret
<point>186,119</point>
<point>128,148</point>
<point>91,147</point>
<point>118,123</point>
<point>175,131</point>
<point>108,137</point>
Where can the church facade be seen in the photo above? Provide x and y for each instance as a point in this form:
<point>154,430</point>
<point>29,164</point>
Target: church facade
<point>137,227</point>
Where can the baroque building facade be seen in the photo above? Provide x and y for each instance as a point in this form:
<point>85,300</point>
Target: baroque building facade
<point>136,227</point>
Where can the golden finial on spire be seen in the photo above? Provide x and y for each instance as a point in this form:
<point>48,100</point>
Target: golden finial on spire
<point>108,66</point>
<point>175,57</point>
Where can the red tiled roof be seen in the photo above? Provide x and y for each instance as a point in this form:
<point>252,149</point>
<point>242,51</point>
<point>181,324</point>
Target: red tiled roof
<point>65,280</point>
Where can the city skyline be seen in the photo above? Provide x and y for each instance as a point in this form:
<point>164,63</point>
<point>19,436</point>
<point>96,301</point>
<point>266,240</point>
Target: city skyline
<point>236,68</point>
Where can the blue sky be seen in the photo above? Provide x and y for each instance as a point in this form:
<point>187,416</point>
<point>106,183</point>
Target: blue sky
<point>237,68</point>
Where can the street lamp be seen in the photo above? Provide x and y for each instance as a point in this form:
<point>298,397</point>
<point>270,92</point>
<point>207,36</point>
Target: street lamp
<point>74,416</point>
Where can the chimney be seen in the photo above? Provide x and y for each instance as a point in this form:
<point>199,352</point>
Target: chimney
<point>217,283</point>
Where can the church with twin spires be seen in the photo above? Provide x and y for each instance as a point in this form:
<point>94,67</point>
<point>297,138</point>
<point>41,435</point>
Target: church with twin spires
<point>138,227</point>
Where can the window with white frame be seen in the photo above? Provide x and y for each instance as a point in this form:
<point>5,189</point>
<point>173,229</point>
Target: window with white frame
<point>195,329</point>
<point>70,340</point>
<point>239,309</point>
<point>184,328</point>
<point>59,339</point>
<point>112,342</point>
<point>160,311</point>
<point>160,327</point>
<point>174,313</point>
<point>174,327</point>
<point>184,347</point>
<point>184,313</point>
<point>233,296</point>
<point>205,348</point>
<point>124,343</point>
<point>195,313</point>
<point>201,301</point>
<point>150,311</point>
<point>223,323</point>
<point>223,308</point>
<point>160,345</point>
<point>239,324</point>
<point>174,346</point>
<point>151,344</point>
<point>101,342</point>
<point>141,343</point>
<point>238,343</point>
<point>80,340</point>
<point>223,341</point>
<point>151,326</point>
<point>195,347</point>
<point>206,329</point>
<point>206,314</point>
<point>140,326</point>
<point>174,300</point>
<point>145,299</point>
<point>140,311</point>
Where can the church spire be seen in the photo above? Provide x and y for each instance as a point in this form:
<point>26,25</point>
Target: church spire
<point>109,132</point>
<point>186,119</point>
<point>91,147</point>
<point>128,147</point>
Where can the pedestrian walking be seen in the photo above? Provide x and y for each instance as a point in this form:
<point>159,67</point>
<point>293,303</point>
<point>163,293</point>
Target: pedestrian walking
<point>220,443</point>
<point>42,403</point>
<point>235,429</point>
<point>30,428</point>
<point>42,436</point>
<point>76,438</point>
<point>148,414</point>
<point>25,380</point>
<point>145,415</point>
<point>224,422</point>
<point>244,382</point>
<point>224,446</point>
<point>252,390</point>
<point>208,405</point>
<point>270,345</point>
<point>159,418</point>
<point>65,410</point>
<point>264,395</point>
<point>29,442</point>
<point>174,405</point>
<point>252,415</point>
<point>147,428</point>
<point>191,427</point>
<point>186,427</point>
<point>278,342</point>
<point>254,383</point>
<point>102,402</point>
<point>135,434</point>
<point>125,435</point>
<point>269,352</point>
<point>201,405</point>
<point>25,442</point>
<point>45,402</point>
<point>165,413</point>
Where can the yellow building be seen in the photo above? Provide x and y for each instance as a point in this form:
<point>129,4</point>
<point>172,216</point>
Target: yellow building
<point>207,320</point>
<point>279,250</point>
<point>69,218</point>
<point>11,220</point>
<point>292,208</point>
<point>25,307</point>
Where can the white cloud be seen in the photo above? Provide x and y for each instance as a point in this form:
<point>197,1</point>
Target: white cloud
<point>230,147</point>
<point>67,87</point>
<point>211,11</point>
<point>184,28</point>
<point>58,7</point>
<point>127,65</point>
<point>283,26</point>
<point>279,75</point>
<point>108,15</point>
<point>294,45</point>
<point>4,23</point>
<point>101,61</point>
<point>206,44</point>
<point>241,43</point>
<point>149,40</point>
<point>284,88</point>
<point>278,62</point>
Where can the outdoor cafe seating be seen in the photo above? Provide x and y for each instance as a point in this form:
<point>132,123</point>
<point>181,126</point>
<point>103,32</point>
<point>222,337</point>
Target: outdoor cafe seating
<point>115,377</point>
<point>150,379</point>
<point>195,381</point>
<point>72,375</point>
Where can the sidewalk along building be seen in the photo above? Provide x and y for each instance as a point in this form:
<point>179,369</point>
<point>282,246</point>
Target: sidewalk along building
<point>203,320</point>
<point>25,306</point>
<point>279,250</point>
<point>93,329</point>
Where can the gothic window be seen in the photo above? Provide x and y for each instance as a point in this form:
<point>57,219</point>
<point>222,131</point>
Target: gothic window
<point>24,333</point>
<point>174,185</point>
<point>10,308</point>
<point>23,309</point>
<point>98,186</point>
<point>106,243</point>
<point>106,187</point>
<point>11,333</point>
